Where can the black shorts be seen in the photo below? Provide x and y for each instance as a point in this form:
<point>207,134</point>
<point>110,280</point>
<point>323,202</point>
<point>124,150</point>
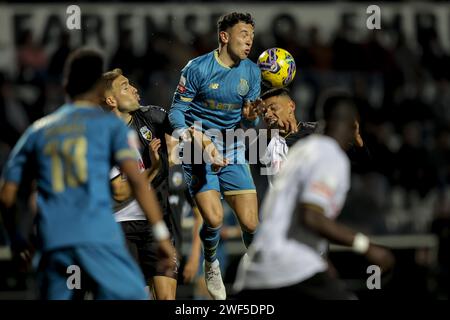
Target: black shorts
<point>143,248</point>
<point>319,287</point>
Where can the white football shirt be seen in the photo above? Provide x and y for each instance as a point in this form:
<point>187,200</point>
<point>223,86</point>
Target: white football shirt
<point>283,253</point>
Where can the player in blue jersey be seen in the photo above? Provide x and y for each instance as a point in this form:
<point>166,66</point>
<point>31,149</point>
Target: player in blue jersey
<point>70,153</point>
<point>216,91</point>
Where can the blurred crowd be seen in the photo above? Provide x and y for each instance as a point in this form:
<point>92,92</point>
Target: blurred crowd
<point>402,89</point>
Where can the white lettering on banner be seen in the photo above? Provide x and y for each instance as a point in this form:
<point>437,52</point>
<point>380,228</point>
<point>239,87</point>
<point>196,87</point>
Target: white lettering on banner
<point>102,23</point>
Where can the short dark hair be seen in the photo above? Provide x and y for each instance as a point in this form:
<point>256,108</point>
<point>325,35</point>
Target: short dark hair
<point>82,71</point>
<point>275,92</point>
<point>229,20</point>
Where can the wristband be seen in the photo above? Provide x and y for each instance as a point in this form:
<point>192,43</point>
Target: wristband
<point>160,231</point>
<point>360,243</point>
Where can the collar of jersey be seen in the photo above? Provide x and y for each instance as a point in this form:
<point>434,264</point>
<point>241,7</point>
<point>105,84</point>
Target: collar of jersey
<point>216,56</point>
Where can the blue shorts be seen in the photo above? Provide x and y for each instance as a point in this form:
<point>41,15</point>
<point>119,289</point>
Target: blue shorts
<point>230,180</point>
<point>108,272</point>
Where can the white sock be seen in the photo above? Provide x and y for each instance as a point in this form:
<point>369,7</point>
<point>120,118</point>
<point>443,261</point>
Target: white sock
<point>213,264</point>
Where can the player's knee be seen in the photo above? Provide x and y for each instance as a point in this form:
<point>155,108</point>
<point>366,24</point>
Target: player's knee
<point>250,224</point>
<point>213,217</point>
<point>214,221</point>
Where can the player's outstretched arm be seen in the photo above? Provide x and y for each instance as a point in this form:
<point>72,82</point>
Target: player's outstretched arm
<point>252,109</point>
<point>140,188</point>
<point>121,190</point>
<point>8,193</point>
<point>20,246</point>
<point>148,201</point>
<point>215,157</point>
<point>172,150</point>
<point>313,217</point>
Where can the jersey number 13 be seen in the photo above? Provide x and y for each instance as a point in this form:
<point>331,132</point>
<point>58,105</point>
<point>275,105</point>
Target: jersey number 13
<point>68,161</point>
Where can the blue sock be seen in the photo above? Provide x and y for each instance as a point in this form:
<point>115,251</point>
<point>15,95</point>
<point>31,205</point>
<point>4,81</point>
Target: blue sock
<point>210,238</point>
<point>247,238</point>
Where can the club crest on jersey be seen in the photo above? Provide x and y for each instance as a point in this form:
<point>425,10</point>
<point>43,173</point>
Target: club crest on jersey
<point>243,88</point>
<point>177,179</point>
<point>146,133</point>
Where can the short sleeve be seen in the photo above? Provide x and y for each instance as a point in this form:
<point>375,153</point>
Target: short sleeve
<point>161,118</point>
<point>189,83</point>
<point>186,91</point>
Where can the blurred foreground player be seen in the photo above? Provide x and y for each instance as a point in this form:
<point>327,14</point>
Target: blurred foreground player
<point>70,153</point>
<point>153,128</point>
<point>298,217</point>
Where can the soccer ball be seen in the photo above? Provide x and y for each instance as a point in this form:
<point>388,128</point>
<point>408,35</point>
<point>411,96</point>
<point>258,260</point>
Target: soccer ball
<point>277,67</point>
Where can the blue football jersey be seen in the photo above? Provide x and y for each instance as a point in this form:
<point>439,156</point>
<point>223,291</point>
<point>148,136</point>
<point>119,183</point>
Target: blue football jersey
<point>70,153</point>
<point>213,93</point>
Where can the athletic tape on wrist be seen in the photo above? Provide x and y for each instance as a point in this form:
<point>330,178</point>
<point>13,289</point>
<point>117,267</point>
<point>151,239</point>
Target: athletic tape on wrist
<point>360,243</point>
<point>160,231</point>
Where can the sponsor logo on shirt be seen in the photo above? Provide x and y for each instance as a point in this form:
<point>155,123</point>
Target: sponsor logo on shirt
<point>214,86</point>
<point>212,104</point>
<point>323,189</point>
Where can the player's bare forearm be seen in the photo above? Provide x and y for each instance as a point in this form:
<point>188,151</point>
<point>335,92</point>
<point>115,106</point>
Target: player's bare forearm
<point>144,195</point>
<point>172,148</point>
<point>200,138</point>
<point>121,189</point>
<point>205,143</point>
<point>314,219</point>
<point>8,195</point>
<point>152,172</point>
